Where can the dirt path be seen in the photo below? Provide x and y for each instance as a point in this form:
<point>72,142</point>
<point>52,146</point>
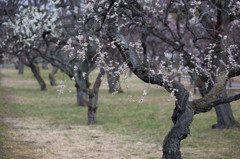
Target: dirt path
<point>76,142</point>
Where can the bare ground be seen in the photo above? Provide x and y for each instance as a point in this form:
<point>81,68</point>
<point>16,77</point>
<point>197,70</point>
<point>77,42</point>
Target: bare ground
<point>36,139</point>
<point>28,138</point>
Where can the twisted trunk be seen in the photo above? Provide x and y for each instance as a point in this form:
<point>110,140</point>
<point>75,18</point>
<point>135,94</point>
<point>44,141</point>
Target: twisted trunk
<point>180,130</point>
<point>183,113</point>
<point>184,110</point>
<point>36,72</point>
<point>225,118</point>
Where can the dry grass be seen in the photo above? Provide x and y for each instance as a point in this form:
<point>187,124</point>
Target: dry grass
<point>75,142</point>
<point>46,125</point>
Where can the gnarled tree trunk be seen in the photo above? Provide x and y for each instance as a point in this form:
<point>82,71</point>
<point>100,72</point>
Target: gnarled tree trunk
<point>225,118</point>
<point>183,113</point>
<point>36,72</point>
<point>180,130</point>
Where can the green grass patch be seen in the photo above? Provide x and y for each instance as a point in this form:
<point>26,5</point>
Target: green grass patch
<point>149,121</point>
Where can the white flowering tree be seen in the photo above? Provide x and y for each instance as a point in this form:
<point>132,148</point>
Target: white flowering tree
<point>156,39</point>
<point>187,35</point>
<point>195,33</point>
<point>10,42</point>
<point>78,50</point>
<point>58,33</point>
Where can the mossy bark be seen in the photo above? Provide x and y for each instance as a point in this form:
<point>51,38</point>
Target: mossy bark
<point>225,118</point>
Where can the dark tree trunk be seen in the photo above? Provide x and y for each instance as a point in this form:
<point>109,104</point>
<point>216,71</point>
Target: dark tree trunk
<point>183,113</point>
<point>20,67</point>
<point>225,118</point>
<point>51,76</point>
<point>36,72</point>
<point>92,108</point>
<point>93,99</point>
<point>144,46</point>
<point>114,82</point>
<point>81,94</point>
<point>171,144</point>
<point>81,97</point>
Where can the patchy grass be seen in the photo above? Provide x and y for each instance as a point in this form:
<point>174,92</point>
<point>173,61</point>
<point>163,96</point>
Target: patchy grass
<point>147,122</point>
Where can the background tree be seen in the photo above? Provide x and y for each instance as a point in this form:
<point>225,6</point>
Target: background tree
<point>53,35</point>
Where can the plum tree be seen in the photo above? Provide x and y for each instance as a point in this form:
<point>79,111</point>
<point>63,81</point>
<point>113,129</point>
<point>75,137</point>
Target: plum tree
<point>179,26</point>
<point>156,39</point>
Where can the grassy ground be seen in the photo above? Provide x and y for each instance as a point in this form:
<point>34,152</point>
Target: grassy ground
<point>147,122</point>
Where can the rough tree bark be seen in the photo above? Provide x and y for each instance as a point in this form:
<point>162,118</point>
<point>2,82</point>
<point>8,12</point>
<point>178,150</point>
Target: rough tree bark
<point>51,76</point>
<point>184,110</point>
<point>225,118</point>
<point>183,113</point>
<point>20,67</point>
<point>36,72</point>
<point>114,82</point>
<point>93,99</point>
<point>81,93</point>
<point>180,130</point>
<point>81,96</point>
